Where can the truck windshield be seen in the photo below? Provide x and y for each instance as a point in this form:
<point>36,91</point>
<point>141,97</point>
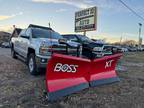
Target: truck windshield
<point>44,33</point>
<point>84,38</point>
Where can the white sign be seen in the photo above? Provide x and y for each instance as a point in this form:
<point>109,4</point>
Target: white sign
<point>65,68</point>
<point>85,20</point>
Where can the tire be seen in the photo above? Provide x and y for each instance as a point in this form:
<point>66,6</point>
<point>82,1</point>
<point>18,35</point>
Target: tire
<point>13,53</point>
<point>31,63</point>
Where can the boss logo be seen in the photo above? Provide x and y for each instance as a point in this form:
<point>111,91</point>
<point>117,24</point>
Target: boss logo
<point>65,68</point>
<point>108,63</point>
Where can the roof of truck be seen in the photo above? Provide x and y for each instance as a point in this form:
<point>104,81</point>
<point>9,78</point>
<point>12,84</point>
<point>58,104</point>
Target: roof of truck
<point>37,26</point>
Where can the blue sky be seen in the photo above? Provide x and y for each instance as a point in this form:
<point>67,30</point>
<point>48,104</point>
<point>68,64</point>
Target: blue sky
<point>114,20</point>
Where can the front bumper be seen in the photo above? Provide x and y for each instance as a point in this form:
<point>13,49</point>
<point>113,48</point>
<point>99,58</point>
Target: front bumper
<point>41,61</point>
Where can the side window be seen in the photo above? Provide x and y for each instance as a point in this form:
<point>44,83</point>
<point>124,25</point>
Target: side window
<point>28,32</point>
<point>22,33</point>
<point>56,35</point>
<point>73,38</point>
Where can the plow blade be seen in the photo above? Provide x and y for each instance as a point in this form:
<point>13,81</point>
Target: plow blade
<point>103,70</point>
<point>66,75</point>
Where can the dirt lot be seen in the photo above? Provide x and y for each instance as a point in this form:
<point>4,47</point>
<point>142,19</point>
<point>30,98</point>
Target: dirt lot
<point>18,89</point>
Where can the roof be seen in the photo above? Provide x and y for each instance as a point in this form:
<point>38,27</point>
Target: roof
<point>37,26</point>
<point>72,34</point>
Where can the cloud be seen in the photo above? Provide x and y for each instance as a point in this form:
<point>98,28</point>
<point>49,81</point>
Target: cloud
<point>5,17</point>
<point>76,3</point>
<point>111,5</point>
<point>102,4</point>
<point>61,10</point>
<point>9,28</point>
<point>6,28</point>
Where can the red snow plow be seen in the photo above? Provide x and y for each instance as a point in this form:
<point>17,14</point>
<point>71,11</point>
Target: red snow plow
<point>103,70</point>
<point>68,74</point>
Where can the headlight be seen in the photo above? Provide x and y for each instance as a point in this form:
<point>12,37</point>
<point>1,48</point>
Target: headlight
<point>97,49</point>
<point>45,50</point>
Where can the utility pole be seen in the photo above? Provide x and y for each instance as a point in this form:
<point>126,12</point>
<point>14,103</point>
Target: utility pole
<point>84,33</point>
<point>120,40</point>
<point>139,43</point>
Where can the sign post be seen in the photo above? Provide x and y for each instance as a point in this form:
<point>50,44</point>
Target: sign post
<point>85,20</point>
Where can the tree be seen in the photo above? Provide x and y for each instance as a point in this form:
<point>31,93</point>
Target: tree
<point>129,42</point>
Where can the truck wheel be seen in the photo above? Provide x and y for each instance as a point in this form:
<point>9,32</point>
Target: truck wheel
<point>32,64</point>
<point>13,53</point>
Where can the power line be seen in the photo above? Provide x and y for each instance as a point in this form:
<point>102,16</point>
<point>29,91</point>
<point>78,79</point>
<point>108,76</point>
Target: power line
<point>134,12</point>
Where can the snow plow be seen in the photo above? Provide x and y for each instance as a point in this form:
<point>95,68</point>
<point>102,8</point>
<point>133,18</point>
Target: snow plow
<point>65,75</point>
<point>103,70</point>
<point>68,74</point>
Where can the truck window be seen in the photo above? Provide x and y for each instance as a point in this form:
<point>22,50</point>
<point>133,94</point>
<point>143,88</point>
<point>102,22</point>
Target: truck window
<point>22,33</point>
<point>56,35</point>
<point>28,32</point>
<point>84,38</point>
<point>44,33</point>
<point>73,38</point>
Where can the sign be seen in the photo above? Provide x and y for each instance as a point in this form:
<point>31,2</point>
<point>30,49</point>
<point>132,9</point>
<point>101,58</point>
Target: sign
<point>85,20</point>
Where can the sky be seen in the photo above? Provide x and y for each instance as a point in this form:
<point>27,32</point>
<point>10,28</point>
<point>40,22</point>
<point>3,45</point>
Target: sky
<point>113,19</point>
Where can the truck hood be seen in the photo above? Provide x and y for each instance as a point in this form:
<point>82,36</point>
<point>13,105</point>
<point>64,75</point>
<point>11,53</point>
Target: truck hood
<point>91,45</point>
<point>49,42</point>
<point>68,48</point>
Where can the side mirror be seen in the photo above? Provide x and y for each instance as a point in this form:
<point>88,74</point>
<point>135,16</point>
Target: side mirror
<point>62,41</point>
<point>24,36</point>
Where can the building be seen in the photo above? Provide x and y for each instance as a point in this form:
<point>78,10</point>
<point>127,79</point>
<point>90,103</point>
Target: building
<point>4,36</point>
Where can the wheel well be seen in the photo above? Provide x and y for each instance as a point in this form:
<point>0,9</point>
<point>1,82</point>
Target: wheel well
<point>12,45</point>
<point>30,50</point>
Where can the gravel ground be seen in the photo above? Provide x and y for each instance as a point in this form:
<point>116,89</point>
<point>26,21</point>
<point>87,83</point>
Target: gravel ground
<point>18,89</point>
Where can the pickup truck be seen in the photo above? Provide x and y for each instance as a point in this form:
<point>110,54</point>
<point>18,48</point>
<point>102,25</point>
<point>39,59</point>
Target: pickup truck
<point>91,49</point>
<point>36,45</point>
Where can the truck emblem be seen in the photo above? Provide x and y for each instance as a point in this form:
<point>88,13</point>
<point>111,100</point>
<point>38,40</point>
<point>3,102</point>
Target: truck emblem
<point>108,63</point>
<point>65,68</point>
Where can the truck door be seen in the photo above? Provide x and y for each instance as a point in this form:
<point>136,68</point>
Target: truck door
<point>18,42</point>
<point>25,42</point>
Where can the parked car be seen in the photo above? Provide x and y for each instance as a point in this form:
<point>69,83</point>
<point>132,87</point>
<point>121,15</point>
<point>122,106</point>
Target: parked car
<point>111,49</point>
<point>124,49</point>
<point>5,45</point>
<point>91,49</point>
<point>132,49</point>
<point>140,49</point>
<point>36,45</point>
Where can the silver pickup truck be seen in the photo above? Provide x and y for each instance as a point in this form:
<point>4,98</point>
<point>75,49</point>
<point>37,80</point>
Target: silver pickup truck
<point>36,45</point>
